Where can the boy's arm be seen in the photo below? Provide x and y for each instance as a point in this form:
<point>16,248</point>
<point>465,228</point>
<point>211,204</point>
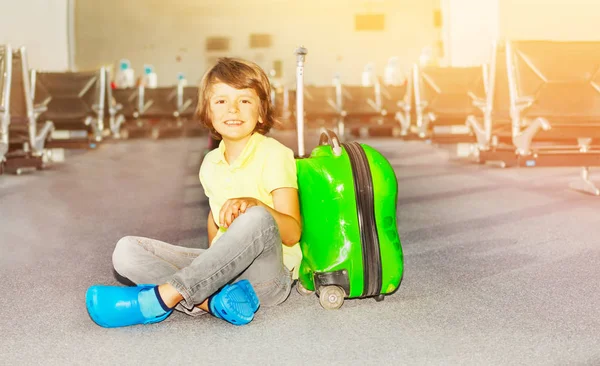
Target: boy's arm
<point>212,228</point>
<point>286,212</point>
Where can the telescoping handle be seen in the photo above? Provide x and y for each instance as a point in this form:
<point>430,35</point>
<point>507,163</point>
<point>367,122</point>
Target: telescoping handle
<point>329,137</point>
<point>300,56</point>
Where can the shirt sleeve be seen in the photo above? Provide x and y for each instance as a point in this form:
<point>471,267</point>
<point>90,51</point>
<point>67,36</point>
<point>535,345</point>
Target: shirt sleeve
<point>280,170</point>
<point>203,178</point>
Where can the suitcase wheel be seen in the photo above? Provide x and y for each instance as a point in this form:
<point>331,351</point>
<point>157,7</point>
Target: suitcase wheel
<point>379,298</point>
<point>303,290</point>
<point>331,297</point>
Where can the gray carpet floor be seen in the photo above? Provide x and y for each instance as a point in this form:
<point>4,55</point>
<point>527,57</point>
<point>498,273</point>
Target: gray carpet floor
<point>502,267</point>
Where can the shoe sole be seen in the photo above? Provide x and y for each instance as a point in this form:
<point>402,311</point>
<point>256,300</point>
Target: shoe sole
<point>249,290</point>
<point>238,303</point>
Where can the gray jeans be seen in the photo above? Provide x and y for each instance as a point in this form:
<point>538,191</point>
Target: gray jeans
<point>250,249</point>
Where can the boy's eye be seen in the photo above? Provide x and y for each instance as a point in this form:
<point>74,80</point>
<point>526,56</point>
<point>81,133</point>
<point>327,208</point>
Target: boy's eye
<point>246,101</point>
<point>219,101</point>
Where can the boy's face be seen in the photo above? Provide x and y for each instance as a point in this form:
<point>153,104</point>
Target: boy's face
<point>234,112</point>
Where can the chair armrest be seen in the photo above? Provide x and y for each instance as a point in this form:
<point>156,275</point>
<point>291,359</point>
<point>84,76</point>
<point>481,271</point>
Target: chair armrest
<point>524,102</point>
<point>480,103</point>
<point>404,105</point>
<point>185,105</point>
<point>40,108</point>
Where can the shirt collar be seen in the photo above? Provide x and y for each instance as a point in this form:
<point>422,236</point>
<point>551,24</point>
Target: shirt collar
<point>247,152</point>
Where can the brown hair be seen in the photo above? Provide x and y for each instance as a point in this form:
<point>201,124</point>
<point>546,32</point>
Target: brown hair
<point>239,74</point>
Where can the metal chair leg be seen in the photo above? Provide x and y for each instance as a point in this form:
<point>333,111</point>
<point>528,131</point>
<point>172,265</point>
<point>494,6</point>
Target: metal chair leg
<point>585,184</point>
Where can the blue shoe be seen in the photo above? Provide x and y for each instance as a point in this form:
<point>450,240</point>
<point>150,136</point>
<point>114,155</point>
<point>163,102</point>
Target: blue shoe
<point>235,303</point>
<point>112,306</point>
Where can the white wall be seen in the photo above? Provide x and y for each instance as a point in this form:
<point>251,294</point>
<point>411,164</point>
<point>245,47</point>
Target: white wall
<point>564,20</point>
<point>157,31</point>
<point>39,25</point>
<point>469,27</point>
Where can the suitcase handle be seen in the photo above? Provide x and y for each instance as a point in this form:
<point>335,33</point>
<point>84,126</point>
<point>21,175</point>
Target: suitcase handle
<point>300,57</point>
<point>329,137</point>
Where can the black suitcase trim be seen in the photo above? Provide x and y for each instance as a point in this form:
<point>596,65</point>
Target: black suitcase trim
<point>365,204</point>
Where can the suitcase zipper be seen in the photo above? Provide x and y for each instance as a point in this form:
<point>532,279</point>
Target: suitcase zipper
<point>365,205</point>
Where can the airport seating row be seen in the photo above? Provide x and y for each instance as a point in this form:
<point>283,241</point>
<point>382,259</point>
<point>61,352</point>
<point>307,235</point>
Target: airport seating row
<point>522,108</point>
<point>44,112</point>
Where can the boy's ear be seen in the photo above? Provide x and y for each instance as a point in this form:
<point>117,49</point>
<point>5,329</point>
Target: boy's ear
<point>260,120</point>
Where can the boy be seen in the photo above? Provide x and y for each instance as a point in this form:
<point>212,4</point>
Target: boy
<point>253,225</point>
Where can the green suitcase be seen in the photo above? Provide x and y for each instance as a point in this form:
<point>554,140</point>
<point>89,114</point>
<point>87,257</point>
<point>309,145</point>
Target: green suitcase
<point>350,242</point>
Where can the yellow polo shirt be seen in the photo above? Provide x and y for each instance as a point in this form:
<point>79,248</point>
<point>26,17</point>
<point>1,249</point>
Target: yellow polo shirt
<point>263,166</point>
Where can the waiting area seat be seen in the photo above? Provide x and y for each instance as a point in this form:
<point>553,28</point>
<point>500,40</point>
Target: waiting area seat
<point>112,110</point>
<point>5,86</point>
<point>522,108</point>
<point>396,101</point>
<point>364,111</point>
<point>444,98</point>
<point>187,106</point>
<point>361,110</point>
<point>323,106</point>
<point>23,137</point>
<point>74,103</point>
<point>158,112</point>
<point>553,106</point>
<point>284,107</point>
<point>493,128</point>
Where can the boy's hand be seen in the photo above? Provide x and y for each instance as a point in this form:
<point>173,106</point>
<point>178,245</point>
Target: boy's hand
<point>234,207</point>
